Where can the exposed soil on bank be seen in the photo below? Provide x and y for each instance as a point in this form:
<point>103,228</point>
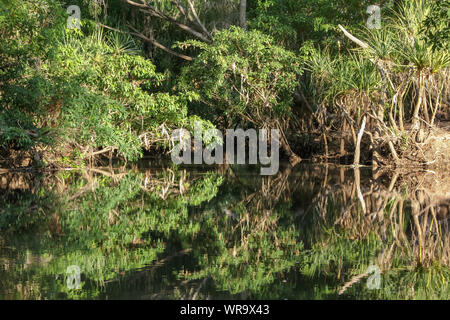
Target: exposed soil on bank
<point>432,151</point>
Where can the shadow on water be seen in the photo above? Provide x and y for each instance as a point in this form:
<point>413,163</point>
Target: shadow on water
<point>162,232</point>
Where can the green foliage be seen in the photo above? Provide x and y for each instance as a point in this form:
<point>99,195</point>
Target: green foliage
<point>437,24</point>
<point>331,77</point>
<point>24,32</point>
<point>112,92</point>
<point>293,22</point>
<point>243,75</point>
<point>414,44</point>
<point>92,89</point>
<point>376,76</point>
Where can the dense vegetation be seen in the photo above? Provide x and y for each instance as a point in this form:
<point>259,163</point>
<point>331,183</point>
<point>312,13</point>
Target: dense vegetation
<point>132,71</point>
<point>135,70</point>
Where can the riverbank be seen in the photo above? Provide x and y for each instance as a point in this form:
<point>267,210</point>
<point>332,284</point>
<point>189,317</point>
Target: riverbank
<point>433,152</point>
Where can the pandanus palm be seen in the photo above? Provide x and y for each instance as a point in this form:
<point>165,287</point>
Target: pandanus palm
<point>419,57</point>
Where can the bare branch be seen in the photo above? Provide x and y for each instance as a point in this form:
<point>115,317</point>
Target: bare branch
<point>353,38</point>
<point>180,7</point>
<point>152,41</point>
<point>155,12</point>
<point>200,24</point>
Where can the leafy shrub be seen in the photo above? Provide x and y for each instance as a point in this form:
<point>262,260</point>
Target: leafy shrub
<point>245,76</point>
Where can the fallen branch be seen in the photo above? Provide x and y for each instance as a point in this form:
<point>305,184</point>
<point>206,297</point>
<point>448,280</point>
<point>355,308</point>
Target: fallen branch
<point>103,151</point>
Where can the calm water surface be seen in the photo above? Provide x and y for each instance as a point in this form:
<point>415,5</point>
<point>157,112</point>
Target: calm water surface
<point>154,231</point>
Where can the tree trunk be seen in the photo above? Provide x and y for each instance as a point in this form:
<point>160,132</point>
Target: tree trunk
<point>243,14</point>
<point>415,120</point>
<point>358,143</point>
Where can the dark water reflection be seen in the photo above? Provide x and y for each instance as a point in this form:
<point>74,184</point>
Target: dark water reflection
<point>158,232</point>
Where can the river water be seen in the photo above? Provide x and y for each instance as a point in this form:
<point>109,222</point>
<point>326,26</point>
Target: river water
<point>154,231</point>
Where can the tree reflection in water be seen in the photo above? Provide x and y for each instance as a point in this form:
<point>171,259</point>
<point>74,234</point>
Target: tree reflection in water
<point>163,232</point>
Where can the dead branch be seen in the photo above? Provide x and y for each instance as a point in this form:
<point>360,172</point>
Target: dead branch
<point>155,12</point>
<point>152,41</point>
